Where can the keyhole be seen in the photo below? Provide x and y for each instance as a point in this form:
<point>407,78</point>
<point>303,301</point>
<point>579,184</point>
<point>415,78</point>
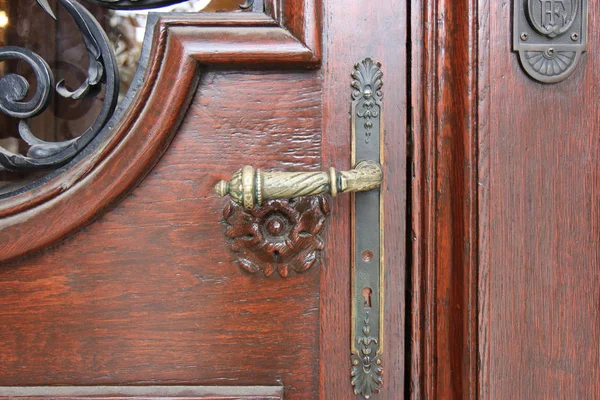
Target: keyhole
<point>276,256</point>
<point>366,292</point>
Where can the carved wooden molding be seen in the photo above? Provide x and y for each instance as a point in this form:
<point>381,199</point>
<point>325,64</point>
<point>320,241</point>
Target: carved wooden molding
<point>445,196</point>
<point>280,235</point>
<point>143,392</point>
<point>287,34</point>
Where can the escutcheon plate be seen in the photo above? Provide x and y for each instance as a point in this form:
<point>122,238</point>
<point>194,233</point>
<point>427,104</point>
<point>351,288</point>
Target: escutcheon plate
<point>367,234</point>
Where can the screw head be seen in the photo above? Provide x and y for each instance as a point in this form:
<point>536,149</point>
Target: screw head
<point>575,36</point>
<point>524,36</point>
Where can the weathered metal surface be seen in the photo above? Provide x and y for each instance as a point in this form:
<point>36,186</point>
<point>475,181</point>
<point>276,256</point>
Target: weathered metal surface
<point>367,228</point>
<point>550,36</point>
<point>102,71</point>
<point>251,187</point>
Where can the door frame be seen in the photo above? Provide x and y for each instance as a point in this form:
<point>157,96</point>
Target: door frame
<point>449,195</point>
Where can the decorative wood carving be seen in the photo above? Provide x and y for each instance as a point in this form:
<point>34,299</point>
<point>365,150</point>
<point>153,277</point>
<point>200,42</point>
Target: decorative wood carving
<point>281,235</point>
<point>288,34</point>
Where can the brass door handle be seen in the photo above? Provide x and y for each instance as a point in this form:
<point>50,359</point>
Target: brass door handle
<point>250,187</point>
<point>284,235</point>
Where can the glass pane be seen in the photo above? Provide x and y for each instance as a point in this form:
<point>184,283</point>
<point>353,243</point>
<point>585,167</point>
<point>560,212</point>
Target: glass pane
<point>59,42</point>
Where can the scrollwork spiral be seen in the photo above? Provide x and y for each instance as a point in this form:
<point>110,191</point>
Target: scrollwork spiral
<point>13,87</point>
<point>148,4</point>
<point>134,4</point>
<point>102,70</point>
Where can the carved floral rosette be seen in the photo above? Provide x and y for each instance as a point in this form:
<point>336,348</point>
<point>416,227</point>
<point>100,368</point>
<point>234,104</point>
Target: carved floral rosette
<point>280,235</point>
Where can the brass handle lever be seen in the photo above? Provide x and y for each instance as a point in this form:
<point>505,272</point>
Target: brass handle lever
<point>277,235</point>
<point>251,187</point>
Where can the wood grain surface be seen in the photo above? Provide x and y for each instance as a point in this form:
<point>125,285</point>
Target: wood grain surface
<point>353,31</point>
<point>143,392</point>
<point>505,211</point>
<point>444,78</point>
<point>181,42</point>
<point>542,282</point>
<point>150,293</point>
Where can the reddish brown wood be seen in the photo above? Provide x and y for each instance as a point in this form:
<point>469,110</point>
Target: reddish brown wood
<point>150,293</point>
<point>353,31</point>
<point>280,235</point>
<point>541,283</point>
<point>445,225</point>
<point>505,261</point>
<point>39,217</point>
<point>483,125</point>
<point>143,392</point>
<point>120,397</point>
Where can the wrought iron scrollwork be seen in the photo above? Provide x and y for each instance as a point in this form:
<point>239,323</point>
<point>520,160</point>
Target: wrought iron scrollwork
<point>247,4</point>
<point>134,4</point>
<point>148,4</point>
<point>102,71</point>
<point>102,74</point>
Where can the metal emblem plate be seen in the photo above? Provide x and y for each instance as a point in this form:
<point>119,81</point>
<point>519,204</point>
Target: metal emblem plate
<point>550,36</point>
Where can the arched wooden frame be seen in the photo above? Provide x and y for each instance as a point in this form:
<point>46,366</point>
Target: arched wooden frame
<point>289,33</point>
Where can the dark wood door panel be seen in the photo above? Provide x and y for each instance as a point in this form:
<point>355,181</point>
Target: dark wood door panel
<point>145,125</point>
<point>150,293</point>
<point>542,218</point>
<point>140,286</point>
<point>505,248</point>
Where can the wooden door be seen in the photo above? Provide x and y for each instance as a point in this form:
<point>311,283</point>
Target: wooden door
<point>505,251</point>
<point>119,269</point>
<point>121,272</point>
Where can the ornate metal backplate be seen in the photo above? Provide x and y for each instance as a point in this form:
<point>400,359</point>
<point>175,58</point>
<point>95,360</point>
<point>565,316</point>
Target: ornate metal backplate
<point>283,235</point>
<point>550,36</point>
<point>367,237</point>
